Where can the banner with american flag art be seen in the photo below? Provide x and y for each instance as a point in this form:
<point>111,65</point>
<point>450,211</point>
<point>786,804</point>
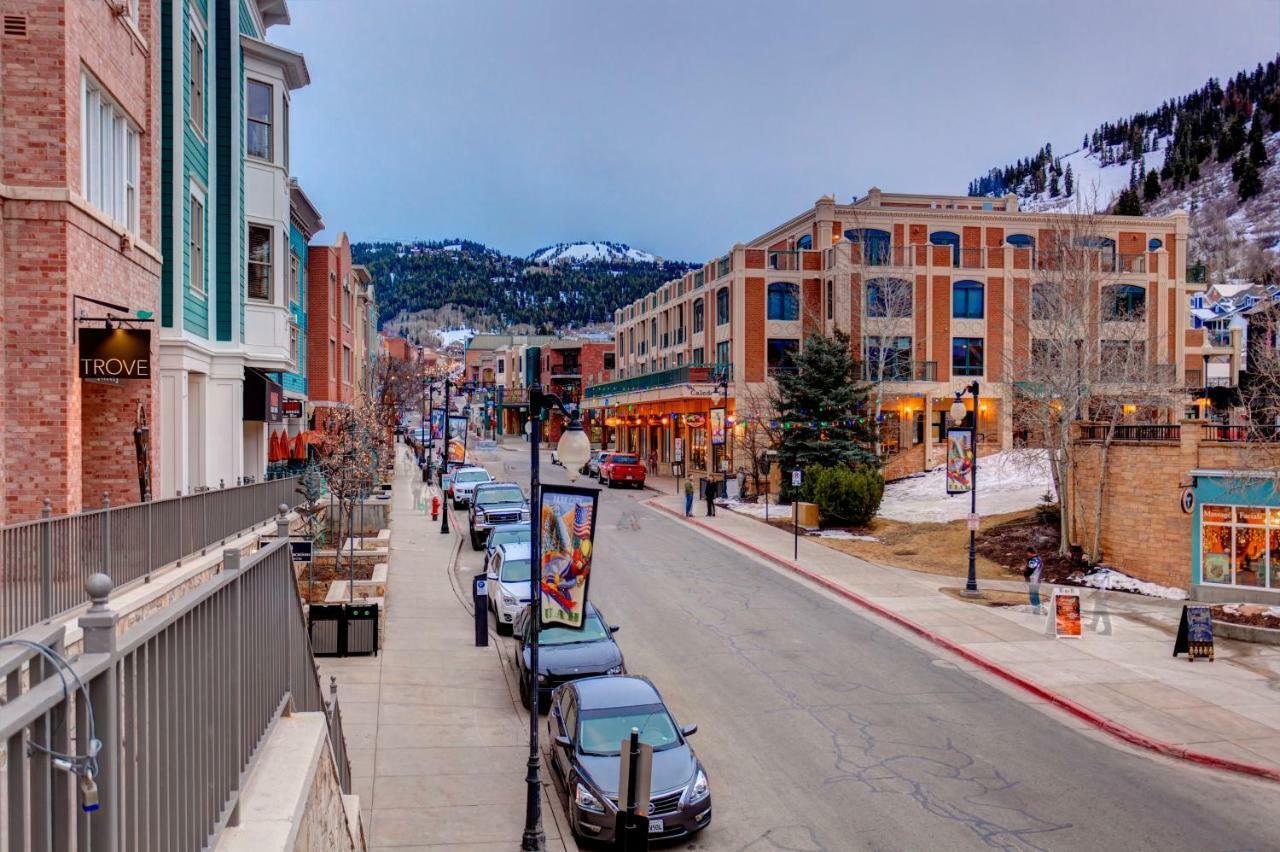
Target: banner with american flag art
<point>568,526</point>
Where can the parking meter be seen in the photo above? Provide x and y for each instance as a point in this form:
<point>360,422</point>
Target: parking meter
<point>480,601</point>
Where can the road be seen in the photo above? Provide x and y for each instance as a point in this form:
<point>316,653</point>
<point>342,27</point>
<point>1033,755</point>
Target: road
<point>824,729</point>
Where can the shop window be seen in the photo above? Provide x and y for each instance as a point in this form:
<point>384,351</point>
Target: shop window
<point>1240,546</point>
<point>784,301</point>
<point>967,300</point>
<point>781,352</point>
<point>966,356</point>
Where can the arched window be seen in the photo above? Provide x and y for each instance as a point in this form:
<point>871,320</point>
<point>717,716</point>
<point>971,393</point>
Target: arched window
<point>1104,246</point>
<point>1045,301</point>
<point>1021,240</point>
<point>875,244</point>
<point>1124,302</point>
<point>784,301</point>
<point>805,242</point>
<point>966,300</point>
<point>888,297</point>
<point>1155,244</point>
<point>948,238</point>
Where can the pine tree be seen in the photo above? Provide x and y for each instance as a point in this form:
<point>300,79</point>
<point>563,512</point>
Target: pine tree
<point>1128,204</point>
<point>822,407</point>
<point>1054,191</point>
<point>1151,187</point>
<point>1070,181</point>
<point>1250,182</point>
<point>1133,175</point>
<point>1258,154</point>
<point>1193,171</point>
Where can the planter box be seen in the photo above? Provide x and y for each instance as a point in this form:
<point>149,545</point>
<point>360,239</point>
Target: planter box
<point>807,515</point>
<point>373,588</point>
<point>1246,633</point>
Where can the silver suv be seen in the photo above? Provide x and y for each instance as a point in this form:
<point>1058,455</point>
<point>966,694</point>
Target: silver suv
<point>465,480</point>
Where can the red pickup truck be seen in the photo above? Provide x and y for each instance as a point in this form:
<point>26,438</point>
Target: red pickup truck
<point>622,469</point>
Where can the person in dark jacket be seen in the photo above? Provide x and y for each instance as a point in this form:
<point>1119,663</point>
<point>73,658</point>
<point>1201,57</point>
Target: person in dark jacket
<point>1035,567</point>
<point>709,492</point>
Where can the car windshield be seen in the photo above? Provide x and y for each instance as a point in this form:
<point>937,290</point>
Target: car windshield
<point>471,476</point>
<point>623,460</point>
<point>500,495</point>
<point>515,570</point>
<point>593,630</point>
<point>601,732</point>
<point>508,536</point>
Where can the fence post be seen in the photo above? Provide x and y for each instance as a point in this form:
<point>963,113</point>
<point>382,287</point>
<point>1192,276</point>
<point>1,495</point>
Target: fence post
<point>151,543</point>
<point>231,565</point>
<point>282,522</point>
<point>46,561</point>
<point>99,626</point>
<point>106,533</point>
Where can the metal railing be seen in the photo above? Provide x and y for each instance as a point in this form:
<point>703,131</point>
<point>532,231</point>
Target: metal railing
<point>900,370</point>
<point>684,374</point>
<point>181,702</point>
<point>1162,432</point>
<point>44,563</point>
<point>1253,433</point>
<point>1217,336</point>
<point>1133,263</point>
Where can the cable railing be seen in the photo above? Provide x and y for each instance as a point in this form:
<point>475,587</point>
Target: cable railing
<point>44,563</point>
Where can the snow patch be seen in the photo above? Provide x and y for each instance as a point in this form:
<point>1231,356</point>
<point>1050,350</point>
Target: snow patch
<point>844,535</point>
<point>1092,178</point>
<point>756,510</point>
<point>1008,481</point>
<point>1112,580</point>
<point>1237,609</point>
<point>592,251</point>
<point>455,335</point>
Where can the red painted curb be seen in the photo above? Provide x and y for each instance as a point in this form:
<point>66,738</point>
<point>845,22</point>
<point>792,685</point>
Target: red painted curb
<point>1078,710</point>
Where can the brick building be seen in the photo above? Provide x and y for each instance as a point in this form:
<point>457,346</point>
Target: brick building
<point>565,363</point>
<point>964,267</point>
<point>79,238</point>
<point>331,306</point>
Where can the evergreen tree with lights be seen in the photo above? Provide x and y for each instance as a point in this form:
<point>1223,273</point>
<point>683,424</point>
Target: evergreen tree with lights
<point>821,407</point>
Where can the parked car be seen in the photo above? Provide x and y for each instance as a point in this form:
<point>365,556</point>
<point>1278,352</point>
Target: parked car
<point>506,534</point>
<point>507,573</point>
<point>592,467</point>
<point>622,468</point>
<point>494,503</point>
<point>588,721</point>
<point>565,654</point>
<point>465,479</point>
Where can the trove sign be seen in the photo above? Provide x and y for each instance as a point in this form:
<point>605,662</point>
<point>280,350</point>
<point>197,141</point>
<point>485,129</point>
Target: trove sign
<point>115,353</point>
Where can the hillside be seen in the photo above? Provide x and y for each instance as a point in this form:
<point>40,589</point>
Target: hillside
<point>426,286</point>
<point>1214,152</point>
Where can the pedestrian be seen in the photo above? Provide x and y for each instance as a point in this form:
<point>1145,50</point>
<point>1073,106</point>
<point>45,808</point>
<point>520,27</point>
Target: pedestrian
<point>742,483</point>
<point>710,489</point>
<point>688,498</point>
<point>653,462</point>
<point>1032,573</point>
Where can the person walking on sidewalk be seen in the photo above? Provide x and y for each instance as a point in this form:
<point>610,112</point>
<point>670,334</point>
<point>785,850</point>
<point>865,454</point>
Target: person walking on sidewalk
<point>688,498</point>
<point>709,492</point>
<point>1035,567</point>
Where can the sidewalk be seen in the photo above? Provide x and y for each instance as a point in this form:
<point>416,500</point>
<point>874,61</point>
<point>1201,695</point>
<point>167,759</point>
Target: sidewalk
<point>1120,676</point>
<point>438,749</point>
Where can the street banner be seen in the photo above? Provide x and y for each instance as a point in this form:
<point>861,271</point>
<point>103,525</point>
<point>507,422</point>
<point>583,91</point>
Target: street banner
<point>1066,614</point>
<point>437,425</point>
<point>457,450</point>
<point>717,427</point>
<point>1195,633</point>
<point>568,525</point>
<point>678,455</point>
<point>959,461</point>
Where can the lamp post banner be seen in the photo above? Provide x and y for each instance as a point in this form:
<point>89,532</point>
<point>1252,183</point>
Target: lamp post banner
<point>437,425</point>
<point>568,526</point>
<point>717,427</point>
<point>959,461</point>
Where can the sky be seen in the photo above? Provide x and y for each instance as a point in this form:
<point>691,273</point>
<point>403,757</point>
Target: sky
<point>686,126</point>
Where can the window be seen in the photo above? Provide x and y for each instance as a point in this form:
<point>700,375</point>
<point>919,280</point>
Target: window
<point>1044,356</point>
<point>699,321</point>
<point>722,267</point>
<point>346,300</point>
<point>1154,244</point>
<point>196,81</point>
<point>1021,241</point>
<point>699,355</point>
<point>722,306</point>
<point>875,245</point>
<point>260,262</point>
<point>346,364</point>
<point>109,156</point>
<point>805,242</point>
<point>295,277</point>
<point>1240,545</point>
<point>698,278</point>
<point>966,356</point>
<point>966,300</point>
<point>293,346</point>
<point>653,332</point>
<point>784,301</point>
<point>830,300</point>
<point>1124,302</point>
<point>1124,360</point>
<point>1105,249</point>
<point>259,106</point>
<point>889,297</point>
<point>947,238</point>
<point>780,351</point>
<point>888,359</point>
<point>195,256</point>
<point>333,359</point>
<point>722,352</point>
<point>333,294</point>
<point>609,361</point>
<point>1045,301</point>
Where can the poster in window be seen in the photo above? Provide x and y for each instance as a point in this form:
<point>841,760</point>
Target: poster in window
<point>717,427</point>
<point>959,461</point>
<point>568,523</point>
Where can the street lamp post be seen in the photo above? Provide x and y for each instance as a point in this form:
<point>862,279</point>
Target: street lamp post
<point>444,512</point>
<point>573,449</point>
<point>957,417</point>
<point>424,457</point>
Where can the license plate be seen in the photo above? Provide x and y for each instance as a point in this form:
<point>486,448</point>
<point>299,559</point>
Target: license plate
<point>655,826</point>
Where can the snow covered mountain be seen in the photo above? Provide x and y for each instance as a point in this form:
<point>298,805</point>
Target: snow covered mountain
<point>585,252</point>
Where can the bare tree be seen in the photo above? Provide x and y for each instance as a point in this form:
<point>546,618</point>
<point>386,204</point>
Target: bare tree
<point>348,453</point>
<point>755,411</point>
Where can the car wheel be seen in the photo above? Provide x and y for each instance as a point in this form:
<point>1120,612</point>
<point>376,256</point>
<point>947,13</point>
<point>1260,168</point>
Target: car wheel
<point>504,629</point>
<point>476,543</point>
<point>524,692</point>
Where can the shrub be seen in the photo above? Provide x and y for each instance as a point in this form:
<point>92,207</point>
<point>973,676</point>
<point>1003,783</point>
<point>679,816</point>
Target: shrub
<point>1048,511</point>
<point>846,496</point>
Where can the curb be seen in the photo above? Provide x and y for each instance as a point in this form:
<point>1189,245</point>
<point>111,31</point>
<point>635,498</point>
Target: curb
<point>1062,702</point>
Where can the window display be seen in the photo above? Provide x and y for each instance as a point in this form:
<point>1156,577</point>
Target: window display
<point>1240,546</point>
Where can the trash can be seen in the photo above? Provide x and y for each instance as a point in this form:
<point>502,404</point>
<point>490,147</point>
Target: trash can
<point>480,601</point>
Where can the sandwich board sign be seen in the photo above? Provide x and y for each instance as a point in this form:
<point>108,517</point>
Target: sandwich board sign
<point>1195,633</point>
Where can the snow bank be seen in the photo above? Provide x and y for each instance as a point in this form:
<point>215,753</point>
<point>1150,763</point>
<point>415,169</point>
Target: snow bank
<point>756,510</point>
<point>843,535</point>
<point>1113,580</point>
<point>1237,609</point>
<point>1008,481</point>
<point>1092,178</point>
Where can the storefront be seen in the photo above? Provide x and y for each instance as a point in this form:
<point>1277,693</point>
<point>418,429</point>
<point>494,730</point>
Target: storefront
<point>1235,536</point>
<point>651,430</point>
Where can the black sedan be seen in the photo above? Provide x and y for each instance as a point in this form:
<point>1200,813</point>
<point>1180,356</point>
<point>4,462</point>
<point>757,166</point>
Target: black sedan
<point>565,654</point>
<point>589,720</point>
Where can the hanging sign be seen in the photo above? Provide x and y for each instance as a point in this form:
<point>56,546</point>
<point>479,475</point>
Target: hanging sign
<point>1066,614</point>
<point>1188,500</point>
<point>717,427</point>
<point>678,454</point>
<point>115,353</point>
<point>568,518</point>
<point>292,407</point>
<point>695,421</point>
<point>959,461</point>
<point>1195,633</point>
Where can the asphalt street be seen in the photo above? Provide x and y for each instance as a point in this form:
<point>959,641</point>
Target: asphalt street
<point>825,729</point>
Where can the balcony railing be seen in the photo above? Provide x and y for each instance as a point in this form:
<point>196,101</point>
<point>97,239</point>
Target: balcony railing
<point>682,375</point>
<point>1255,433</point>
<point>566,370</point>
<point>1217,336</point>
<point>900,371</point>
<point>1132,432</point>
<point>981,257</point>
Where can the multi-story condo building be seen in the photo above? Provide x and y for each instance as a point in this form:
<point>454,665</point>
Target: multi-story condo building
<point>80,217</point>
<point>365,330</point>
<point>964,269</point>
<point>304,223</point>
<point>226,318</point>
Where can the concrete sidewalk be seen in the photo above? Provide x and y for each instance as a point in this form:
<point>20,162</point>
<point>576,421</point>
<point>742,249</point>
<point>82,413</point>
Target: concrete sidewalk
<point>438,745</point>
<point>1120,676</point>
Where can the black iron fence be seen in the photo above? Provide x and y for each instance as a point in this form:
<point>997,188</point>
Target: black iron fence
<point>1131,432</point>
<point>44,563</point>
<point>1258,433</point>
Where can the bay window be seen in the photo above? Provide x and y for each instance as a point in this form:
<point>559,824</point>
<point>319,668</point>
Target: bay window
<point>260,258</point>
<point>109,156</point>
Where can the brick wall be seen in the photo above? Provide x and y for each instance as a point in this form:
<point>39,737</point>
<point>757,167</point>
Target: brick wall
<point>753,334</point>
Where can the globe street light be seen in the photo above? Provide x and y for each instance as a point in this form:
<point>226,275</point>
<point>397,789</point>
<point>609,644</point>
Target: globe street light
<point>958,412</point>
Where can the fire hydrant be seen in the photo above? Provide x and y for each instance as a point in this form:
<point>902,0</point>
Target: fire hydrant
<point>435,508</point>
